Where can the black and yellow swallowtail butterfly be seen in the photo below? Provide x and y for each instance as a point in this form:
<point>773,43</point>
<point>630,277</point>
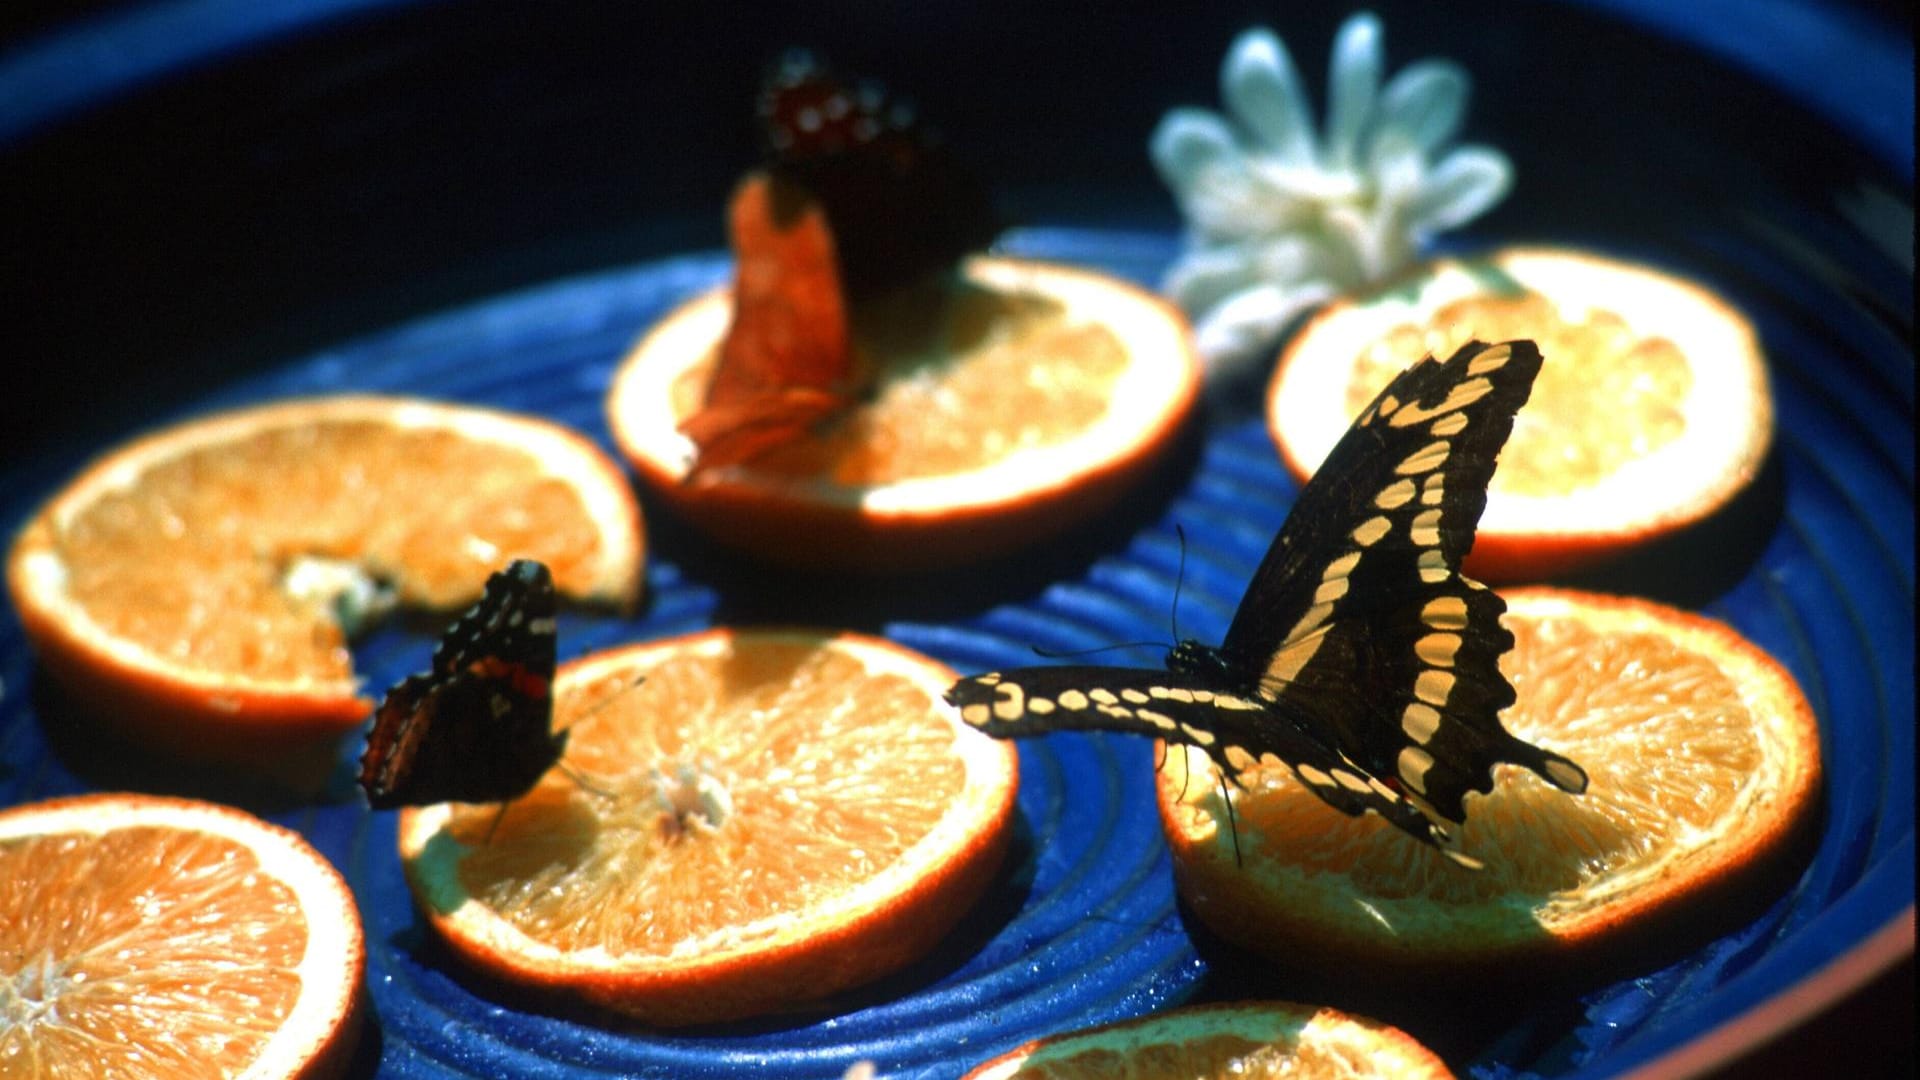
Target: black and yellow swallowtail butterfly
<point>1360,656</point>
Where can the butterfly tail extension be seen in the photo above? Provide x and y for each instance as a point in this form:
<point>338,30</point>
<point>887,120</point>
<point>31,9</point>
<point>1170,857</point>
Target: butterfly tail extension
<point>1551,767</point>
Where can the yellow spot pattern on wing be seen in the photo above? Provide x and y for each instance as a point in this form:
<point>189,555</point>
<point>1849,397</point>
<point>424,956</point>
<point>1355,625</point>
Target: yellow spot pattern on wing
<point>1461,396</point>
<point>1426,459</point>
<point>1445,613</point>
<point>1492,358</point>
<point>1011,704</point>
<point>1426,528</point>
<point>1436,650</point>
<point>1433,686</point>
<point>1413,765</point>
<point>1369,532</point>
<point>1395,495</point>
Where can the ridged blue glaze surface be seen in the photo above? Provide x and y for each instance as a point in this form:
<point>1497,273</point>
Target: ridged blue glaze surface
<point>1082,927</point>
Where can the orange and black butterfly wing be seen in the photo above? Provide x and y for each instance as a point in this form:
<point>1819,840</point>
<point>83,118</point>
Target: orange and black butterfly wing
<point>478,727</point>
<point>857,199</point>
<point>787,362</point>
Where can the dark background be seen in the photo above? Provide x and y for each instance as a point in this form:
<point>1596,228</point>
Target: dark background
<point>403,159</point>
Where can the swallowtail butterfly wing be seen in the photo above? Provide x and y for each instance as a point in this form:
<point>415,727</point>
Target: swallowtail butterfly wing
<point>1360,656</point>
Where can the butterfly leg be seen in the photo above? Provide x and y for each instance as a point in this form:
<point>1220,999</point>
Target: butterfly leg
<point>495,823</point>
<point>1233,825</point>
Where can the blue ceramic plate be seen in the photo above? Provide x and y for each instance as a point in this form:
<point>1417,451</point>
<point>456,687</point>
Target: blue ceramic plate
<point>1082,927</point>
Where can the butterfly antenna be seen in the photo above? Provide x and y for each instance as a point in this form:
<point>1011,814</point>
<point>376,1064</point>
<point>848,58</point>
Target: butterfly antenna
<point>1052,654</point>
<point>1179,579</point>
<point>606,701</point>
<point>580,781</point>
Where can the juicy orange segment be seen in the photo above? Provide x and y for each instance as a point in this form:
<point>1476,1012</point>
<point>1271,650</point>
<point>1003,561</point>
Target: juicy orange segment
<point>202,571</point>
<point>1561,442</point>
<point>768,818</point>
<point>148,937</point>
<point>960,379</point>
<point>1704,765</point>
<point>1006,406</point>
<point>1651,412</point>
<point>1246,1041</point>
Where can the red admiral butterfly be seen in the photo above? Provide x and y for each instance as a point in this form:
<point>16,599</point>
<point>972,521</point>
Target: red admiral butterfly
<point>478,727</point>
<point>857,200</point>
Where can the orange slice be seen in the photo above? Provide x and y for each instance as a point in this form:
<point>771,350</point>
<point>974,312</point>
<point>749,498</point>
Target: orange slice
<point>1008,407</point>
<point>1704,760</point>
<point>188,586</point>
<point>145,937</point>
<point>1651,412</point>
<point>771,817</point>
<point>1243,1041</point>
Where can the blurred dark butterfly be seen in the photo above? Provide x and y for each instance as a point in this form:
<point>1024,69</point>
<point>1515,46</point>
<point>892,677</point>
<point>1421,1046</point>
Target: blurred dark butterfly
<point>900,201</point>
<point>479,726</point>
<point>856,200</point>
<point>1360,656</point>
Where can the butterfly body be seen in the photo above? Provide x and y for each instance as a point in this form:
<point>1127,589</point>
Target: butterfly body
<point>1360,657</point>
<point>478,726</point>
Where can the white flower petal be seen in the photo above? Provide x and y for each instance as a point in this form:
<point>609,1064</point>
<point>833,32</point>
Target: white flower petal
<point>1395,168</point>
<point>1191,146</point>
<point>1296,257</point>
<point>1248,323</point>
<point>1462,187</point>
<point>1231,205</point>
<point>1263,92</point>
<point>1279,221</point>
<point>1352,246</point>
<point>1205,276</point>
<point>1353,83</point>
<point>1425,102</point>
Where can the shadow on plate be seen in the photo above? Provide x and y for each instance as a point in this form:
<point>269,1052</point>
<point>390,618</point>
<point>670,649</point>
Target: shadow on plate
<point>1697,565</point>
<point>103,760</point>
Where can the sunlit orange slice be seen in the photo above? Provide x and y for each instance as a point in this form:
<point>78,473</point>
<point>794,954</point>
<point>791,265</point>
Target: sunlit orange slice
<point>145,938</point>
<point>1704,760</point>
<point>1651,412</point>
<point>771,817</point>
<point>1247,1041</point>
<point>189,586</point>
<point>1008,407</point>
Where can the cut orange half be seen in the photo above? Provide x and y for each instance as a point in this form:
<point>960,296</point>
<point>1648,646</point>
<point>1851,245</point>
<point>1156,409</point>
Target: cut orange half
<point>769,818</point>
<point>189,586</point>
<point>144,938</point>
<point>1008,407</point>
<point>1264,1040</point>
<point>1704,760</point>
<point>1651,412</point>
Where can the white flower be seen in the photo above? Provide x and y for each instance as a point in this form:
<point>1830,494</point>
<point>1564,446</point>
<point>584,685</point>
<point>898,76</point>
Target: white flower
<point>1279,221</point>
